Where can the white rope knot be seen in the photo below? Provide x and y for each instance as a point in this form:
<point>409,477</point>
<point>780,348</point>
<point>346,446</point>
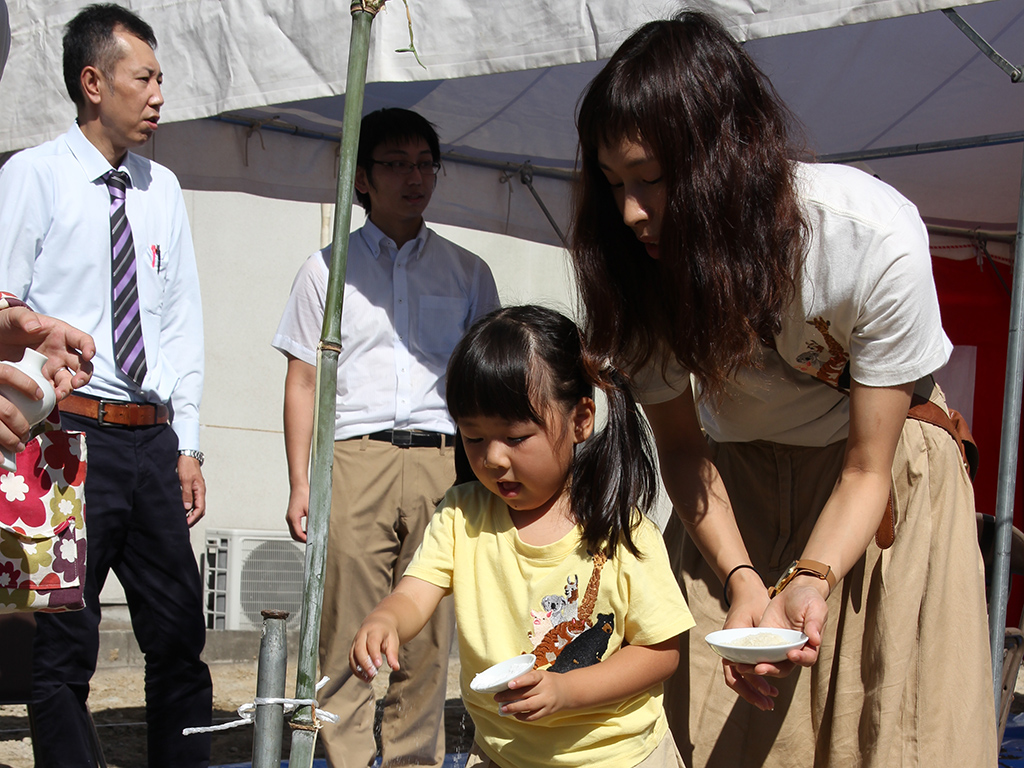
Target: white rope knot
<point>247,712</point>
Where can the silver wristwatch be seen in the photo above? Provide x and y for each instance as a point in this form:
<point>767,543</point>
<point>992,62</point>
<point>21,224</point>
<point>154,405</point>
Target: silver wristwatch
<point>197,455</point>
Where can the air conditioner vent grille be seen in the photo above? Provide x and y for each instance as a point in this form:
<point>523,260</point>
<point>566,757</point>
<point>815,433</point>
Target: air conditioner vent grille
<point>246,572</point>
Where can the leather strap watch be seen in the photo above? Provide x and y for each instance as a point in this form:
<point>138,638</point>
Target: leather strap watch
<point>800,567</point>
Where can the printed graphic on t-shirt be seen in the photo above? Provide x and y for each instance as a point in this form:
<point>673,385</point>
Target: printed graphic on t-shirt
<point>563,634</point>
<point>829,362</point>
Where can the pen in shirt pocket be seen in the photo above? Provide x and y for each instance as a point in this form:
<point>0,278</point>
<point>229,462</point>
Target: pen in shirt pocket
<point>157,260</point>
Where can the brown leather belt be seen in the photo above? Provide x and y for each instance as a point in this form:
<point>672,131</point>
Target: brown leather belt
<point>119,412</point>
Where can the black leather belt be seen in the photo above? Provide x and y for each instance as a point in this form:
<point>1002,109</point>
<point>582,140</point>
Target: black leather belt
<point>412,438</point>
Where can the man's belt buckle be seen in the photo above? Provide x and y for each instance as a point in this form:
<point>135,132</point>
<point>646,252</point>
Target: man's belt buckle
<point>101,411</point>
<point>401,437</point>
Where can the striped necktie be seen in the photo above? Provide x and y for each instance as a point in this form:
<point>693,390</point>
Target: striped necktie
<point>128,348</point>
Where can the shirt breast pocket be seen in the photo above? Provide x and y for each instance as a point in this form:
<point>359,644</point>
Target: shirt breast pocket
<point>442,322</point>
<point>151,277</point>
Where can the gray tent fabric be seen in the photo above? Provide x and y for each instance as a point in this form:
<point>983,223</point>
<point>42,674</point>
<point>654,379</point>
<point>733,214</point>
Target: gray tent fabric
<point>910,81</point>
<point>255,92</point>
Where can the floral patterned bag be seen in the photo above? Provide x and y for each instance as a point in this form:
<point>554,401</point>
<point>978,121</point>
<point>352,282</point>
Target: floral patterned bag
<point>42,523</point>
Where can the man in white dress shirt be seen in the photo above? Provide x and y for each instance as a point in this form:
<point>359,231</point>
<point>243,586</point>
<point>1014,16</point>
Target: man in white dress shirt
<point>409,297</point>
<point>98,237</point>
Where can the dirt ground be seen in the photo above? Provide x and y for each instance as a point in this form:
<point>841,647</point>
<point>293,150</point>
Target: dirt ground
<point>117,705</point>
<point>117,700</point>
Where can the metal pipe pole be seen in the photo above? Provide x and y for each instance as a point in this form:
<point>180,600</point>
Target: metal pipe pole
<point>999,588</point>
<point>303,725</point>
<point>526,178</point>
<point>973,234</point>
<point>993,55</point>
<point>270,677</point>
<point>924,148</point>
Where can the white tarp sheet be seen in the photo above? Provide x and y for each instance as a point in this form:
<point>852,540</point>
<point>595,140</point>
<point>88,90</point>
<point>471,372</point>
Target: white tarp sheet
<point>501,79</point>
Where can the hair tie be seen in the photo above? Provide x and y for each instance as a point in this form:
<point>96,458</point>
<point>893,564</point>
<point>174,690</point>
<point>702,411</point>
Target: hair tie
<point>725,585</point>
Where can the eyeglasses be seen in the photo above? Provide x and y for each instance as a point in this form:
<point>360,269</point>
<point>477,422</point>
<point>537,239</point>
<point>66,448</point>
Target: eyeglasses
<point>404,168</point>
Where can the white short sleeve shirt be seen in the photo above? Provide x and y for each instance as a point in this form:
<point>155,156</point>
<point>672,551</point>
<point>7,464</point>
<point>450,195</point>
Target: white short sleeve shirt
<point>404,311</point>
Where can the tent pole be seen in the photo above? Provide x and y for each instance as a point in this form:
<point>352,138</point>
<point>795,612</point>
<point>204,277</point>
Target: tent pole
<point>924,148</point>
<point>973,234</point>
<point>1015,73</point>
<point>1009,441</point>
<point>304,722</point>
<point>526,179</point>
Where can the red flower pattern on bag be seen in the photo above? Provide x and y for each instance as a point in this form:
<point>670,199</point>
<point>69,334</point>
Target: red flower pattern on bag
<point>42,523</point>
<point>58,455</point>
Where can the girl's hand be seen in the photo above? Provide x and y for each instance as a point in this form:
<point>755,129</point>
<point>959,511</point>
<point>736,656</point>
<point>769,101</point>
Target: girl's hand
<point>629,671</point>
<point>396,619</point>
<point>376,640</point>
<point>801,606</point>
<point>536,694</point>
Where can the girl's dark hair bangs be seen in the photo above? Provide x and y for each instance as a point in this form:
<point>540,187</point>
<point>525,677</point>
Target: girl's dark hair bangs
<point>489,375</point>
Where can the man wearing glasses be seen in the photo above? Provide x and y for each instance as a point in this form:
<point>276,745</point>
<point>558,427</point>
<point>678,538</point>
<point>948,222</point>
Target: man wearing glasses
<point>409,297</point>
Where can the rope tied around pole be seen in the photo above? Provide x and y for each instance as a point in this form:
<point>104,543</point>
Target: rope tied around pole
<point>506,177</point>
<point>256,127</point>
<point>371,7</point>
<point>980,243</point>
<point>247,713</point>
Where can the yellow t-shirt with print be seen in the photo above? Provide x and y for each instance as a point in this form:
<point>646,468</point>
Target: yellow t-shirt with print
<point>556,601</point>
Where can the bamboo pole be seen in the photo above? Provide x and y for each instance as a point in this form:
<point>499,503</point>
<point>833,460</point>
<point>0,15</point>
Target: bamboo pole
<point>303,723</point>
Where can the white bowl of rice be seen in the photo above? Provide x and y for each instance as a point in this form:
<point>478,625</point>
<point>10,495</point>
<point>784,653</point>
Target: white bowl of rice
<point>754,645</point>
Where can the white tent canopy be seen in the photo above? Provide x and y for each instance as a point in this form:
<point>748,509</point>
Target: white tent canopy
<point>501,79</point>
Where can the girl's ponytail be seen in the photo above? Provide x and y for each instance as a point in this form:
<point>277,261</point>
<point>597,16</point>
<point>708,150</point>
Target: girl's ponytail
<point>518,362</point>
<point>614,474</point>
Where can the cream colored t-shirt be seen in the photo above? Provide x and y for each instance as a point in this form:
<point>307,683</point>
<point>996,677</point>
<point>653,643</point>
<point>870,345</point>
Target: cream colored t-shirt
<point>865,303</point>
<point>511,598</point>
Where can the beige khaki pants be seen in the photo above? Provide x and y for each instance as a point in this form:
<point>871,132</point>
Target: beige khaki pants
<point>665,755</point>
<point>382,498</point>
<point>904,677</point>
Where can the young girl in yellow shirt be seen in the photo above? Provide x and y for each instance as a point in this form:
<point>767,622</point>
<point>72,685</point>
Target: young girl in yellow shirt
<point>546,551</point>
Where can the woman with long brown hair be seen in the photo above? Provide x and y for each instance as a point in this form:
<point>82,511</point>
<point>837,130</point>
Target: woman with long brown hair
<point>798,298</point>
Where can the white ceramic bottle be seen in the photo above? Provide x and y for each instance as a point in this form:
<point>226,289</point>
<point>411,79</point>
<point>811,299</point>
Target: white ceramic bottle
<point>34,411</point>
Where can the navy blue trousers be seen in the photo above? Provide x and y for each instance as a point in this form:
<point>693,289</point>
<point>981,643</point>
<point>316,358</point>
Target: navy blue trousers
<point>135,526</point>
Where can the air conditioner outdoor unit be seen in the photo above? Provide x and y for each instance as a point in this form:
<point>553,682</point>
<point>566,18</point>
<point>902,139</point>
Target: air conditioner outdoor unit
<point>246,572</point>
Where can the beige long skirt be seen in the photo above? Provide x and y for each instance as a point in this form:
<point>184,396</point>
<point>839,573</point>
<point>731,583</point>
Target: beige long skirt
<point>904,676</point>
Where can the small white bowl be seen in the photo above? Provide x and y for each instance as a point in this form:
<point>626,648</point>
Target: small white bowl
<point>723,642</point>
<point>497,678</point>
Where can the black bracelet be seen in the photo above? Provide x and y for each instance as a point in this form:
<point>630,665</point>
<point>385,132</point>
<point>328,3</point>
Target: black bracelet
<point>725,585</point>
